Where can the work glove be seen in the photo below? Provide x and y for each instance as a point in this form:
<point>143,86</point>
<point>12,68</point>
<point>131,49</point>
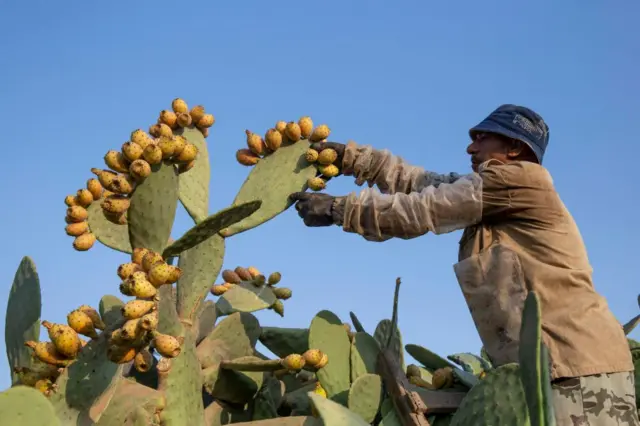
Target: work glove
<point>337,147</point>
<point>318,209</point>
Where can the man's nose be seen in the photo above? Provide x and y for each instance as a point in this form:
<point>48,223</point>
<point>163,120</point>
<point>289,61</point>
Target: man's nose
<point>472,148</point>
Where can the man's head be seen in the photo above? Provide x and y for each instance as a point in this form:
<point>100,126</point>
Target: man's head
<point>510,133</point>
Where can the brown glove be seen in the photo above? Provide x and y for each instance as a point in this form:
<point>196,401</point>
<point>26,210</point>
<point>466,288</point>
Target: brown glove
<point>337,147</point>
<point>317,209</point>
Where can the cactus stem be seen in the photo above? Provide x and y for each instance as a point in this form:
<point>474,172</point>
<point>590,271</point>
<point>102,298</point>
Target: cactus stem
<point>254,365</point>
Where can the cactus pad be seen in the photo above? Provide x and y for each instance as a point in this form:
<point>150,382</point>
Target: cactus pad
<point>427,358</point>
<point>381,334</point>
<point>631,325</point>
<point>471,363</point>
<point>236,336</point>
<point>365,396</point>
<point>132,401</point>
<point>110,309</point>
<point>497,400</point>
<point>22,405</point>
<point>329,335</point>
<point>211,226</point>
<point>194,184</point>
<point>391,419</point>
<point>272,180</point>
<point>153,208</point>
<point>268,399</point>
<point>334,414</point>
<point>364,355</point>
<point>356,322</point>
<point>108,233</point>
<point>22,321</point>
<point>168,320</point>
<point>206,320</point>
<point>245,297</point>
<point>285,341</point>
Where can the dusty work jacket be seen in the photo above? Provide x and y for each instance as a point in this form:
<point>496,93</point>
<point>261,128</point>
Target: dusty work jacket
<point>518,236</point>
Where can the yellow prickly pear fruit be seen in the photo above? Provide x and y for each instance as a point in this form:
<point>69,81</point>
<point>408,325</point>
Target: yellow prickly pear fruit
<point>94,187</point>
<point>413,371</point>
<point>442,378</point>
<point>77,213</point>
<point>84,198</point>
<point>228,286</point>
<point>64,337</point>
<point>293,131</point>
<point>293,362</point>
<point>313,357</point>
<point>159,274</point>
<point>281,126</point>
<point>137,308</point>
<point>115,204</point>
<point>319,133</point>
<point>44,386</point>
<point>131,330</point>
<point>273,139</point>
<point>206,121</point>
<point>196,113</point>
<point>166,146</point>
<point>132,151</point>
<point>169,118</point>
<point>274,278</point>
<point>185,167</point>
<point>141,287</point>
<point>255,143</point>
<point>165,130</point>
<point>246,157</point>
<point>243,273</point>
<point>125,288</point>
<point>175,273</point>
<point>218,289</point>
<point>253,271</point>
<point>278,307</point>
<point>116,339</point>
<point>47,353</point>
<point>179,142</point>
<point>231,276</point>
<point>127,269</point>
<point>167,346</point>
<point>113,181</point>
<point>327,156</point>
<point>152,154</point>
<point>120,354</point>
<point>143,361</point>
<point>184,119</point>
<point>140,137</point>
<point>105,177</point>
<point>84,242</point>
<point>311,156</point>
<point>140,170</point>
<point>188,153</point>
<point>319,390</point>
<point>178,105</point>
<point>149,321</point>
<point>116,161</point>
<point>282,293</point>
<point>316,184</point>
<point>94,315</point>
<point>155,130</point>
<point>306,127</point>
<point>151,258</point>
<point>138,255</point>
<point>77,229</point>
<point>70,201</point>
<point>81,323</point>
<point>329,170</point>
<point>323,361</point>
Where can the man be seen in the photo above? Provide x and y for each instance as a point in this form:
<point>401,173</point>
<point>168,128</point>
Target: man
<point>518,236</point>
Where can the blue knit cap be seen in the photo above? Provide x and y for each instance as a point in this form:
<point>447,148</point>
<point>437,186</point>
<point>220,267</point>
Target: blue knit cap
<point>517,122</point>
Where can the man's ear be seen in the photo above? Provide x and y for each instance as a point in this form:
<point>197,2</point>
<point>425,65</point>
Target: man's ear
<point>516,149</point>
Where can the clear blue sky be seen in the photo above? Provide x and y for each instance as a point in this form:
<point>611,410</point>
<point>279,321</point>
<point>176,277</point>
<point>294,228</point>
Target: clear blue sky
<point>411,78</point>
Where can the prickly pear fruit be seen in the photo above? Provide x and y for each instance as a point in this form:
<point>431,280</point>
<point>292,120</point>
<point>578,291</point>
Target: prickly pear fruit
<point>166,345</point>
<point>273,139</point>
<point>131,151</point>
<point>115,204</point>
<point>178,105</point>
<point>293,131</point>
<point>29,377</point>
<point>47,353</point>
<point>159,274</point>
<point>327,156</point>
<point>329,170</point>
<point>94,187</point>
<point>282,293</point>
<point>278,307</point>
<point>274,278</point>
<point>94,315</point>
<point>116,161</point>
<point>141,138</point>
<point>205,121</point>
<point>127,269</point>
<point>253,271</point>
<point>81,323</point>
<point>246,157</point>
<point>140,169</point>
<point>259,280</point>
<point>231,276</point>
<point>204,131</point>
<point>45,386</point>
<point>151,258</point>
<point>113,182</point>
<point>196,113</point>
<point>243,273</point>
<point>120,354</point>
<point>138,255</point>
<point>218,289</point>
<point>281,126</point>
<point>137,308</point>
<point>166,146</point>
<point>131,329</point>
<point>306,127</point>
<point>255,143</point>
<point>175,272</point>
<point>149,321</point>
<point>323,361</point>
<point>184,119</point>
<point>143,361</point>
<point>188,153</point>
<point>413,371</point>
<point>442,378</point>
<point>316,184</point>
<point>169,118</point>
<point>152,154</point>
<point>141,287</point>
<point>311,156</point>
<point>64,338</point>
<point>77,229</point>
<point>178,142</point>
<point>84,242</point>
<point>84,198</point>
<point>319,133</point>
<point>105,177</point>
<point>313,357</point>
<point>228,285</point>
<point>293,362</point>
<point>70,201</point>
<point>77,214</point>
<point>319,390</point>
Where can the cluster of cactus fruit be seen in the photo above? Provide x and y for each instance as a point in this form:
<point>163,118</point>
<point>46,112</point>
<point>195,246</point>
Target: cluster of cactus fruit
<point>170,357</point>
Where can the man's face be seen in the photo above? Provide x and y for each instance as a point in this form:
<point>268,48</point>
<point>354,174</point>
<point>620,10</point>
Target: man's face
<point>486,146</point>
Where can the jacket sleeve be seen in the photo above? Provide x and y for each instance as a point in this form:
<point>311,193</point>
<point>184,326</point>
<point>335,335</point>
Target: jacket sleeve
<point>390,173</point>
<point>442,209</point>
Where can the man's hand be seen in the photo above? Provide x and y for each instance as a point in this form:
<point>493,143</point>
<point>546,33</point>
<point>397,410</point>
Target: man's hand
<point>318,209</point>
<point>337,147</point>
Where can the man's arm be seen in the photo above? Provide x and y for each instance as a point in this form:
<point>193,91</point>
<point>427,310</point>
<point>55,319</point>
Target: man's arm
<point>390,173</point>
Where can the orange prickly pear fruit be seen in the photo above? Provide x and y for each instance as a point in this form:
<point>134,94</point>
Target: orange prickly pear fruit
<point>218,289</point>
<point>281,126</point>
<point>178,106</point>
<point>205,121</point>
<point>70,201</point>
<point>105,177</point>
<point>442,378</point>
<point>179,142</point>
<point>293,362</point>
<point>311,156</point>
<point>246,157</point>
<point>131,329</point>
<point>47,353</point>
<point>84,197</point>
<point>77,229</point>
<point>306,127</point>
<point>132,151</point>
<point>94,315</point>
<point>140,137</point>
<point>255,143</point>
<point>293,131</point>
<point>84,242</point>
<point>115,204</point>
<point>253,271</point>
<point>175,272</point>
<point>137,308</point>
<point>166,345</point>
<point>81,323</point>
<point>151,258</point>
<point>327,156</point>
<point>169,118</point>
<point>149,321</point>
<point>231,276</point>
<point>127,269</point>
<point>116,161</point>
<point>323,361</point>
<point>152,154</point>
<point>140,169</point>
<point>143,361</point>
<point>320,133</point>
<point>166,146</point>
<point>196,113</point>
<point>188,153</point>
<point>138,255</point>
<point>120,354</point>
<point>243,273</point>
<point>273,139</point>
<point>77,213</point>
<point>94,187</point>
<point>184,119</point>
<point>313,357</point>
<point>64,338</point>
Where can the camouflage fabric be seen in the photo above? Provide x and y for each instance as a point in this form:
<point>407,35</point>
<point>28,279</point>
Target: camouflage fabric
<point>597,400</point>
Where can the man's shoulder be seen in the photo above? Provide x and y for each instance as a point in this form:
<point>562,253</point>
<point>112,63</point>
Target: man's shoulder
<point>516,173</point>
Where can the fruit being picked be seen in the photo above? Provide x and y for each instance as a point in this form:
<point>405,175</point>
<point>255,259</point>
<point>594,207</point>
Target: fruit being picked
<point>329,170</point>
<point>316,184</point>
<point>246,157</point>
<point>327,156</point>
<point>320,133</point>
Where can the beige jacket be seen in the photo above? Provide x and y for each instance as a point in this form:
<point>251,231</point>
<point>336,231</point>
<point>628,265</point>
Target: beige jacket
<point>518,236</point>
